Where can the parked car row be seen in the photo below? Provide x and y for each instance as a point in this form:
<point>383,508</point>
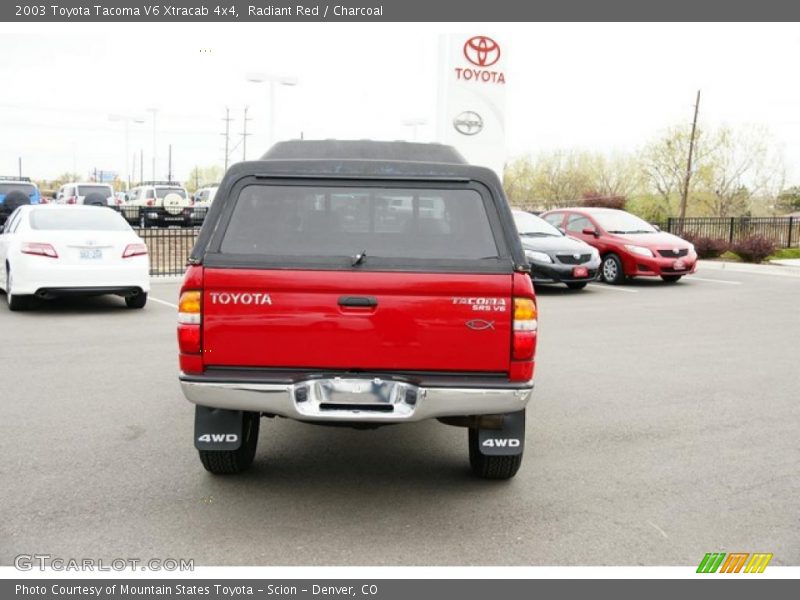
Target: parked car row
<point>578,245</point>
<point>48,251</point>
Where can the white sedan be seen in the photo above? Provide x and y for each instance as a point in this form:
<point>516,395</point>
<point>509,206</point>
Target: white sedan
<point>49,251</point>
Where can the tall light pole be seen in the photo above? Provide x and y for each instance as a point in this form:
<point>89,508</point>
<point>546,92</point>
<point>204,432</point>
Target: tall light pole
<point>154,110</point>
<point>272,80</point>
<point>128,120</point>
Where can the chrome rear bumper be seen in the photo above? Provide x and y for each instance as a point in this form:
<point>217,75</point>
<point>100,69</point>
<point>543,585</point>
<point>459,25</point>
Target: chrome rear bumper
<point>356,400</point>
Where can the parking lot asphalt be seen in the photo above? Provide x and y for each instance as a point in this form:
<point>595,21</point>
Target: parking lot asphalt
<point>664,425</point>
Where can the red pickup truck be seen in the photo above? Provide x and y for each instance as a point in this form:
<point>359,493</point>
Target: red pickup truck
<point>358,283</point>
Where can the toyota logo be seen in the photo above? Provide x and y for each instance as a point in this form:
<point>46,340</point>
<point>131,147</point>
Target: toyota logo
<point>676,250</point>
<point>577,256</point>
<point>482,51</point>
<point>468,123</point>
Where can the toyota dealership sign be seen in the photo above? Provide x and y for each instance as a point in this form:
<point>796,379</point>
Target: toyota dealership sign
<point>471,108</point>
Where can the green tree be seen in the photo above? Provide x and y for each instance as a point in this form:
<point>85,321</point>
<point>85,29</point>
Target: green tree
<point>203,176</point>
<point>789,200</point>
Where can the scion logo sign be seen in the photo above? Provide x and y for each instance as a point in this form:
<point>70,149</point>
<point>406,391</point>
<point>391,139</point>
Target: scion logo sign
<point>481,52</point>
<point>468,123</point>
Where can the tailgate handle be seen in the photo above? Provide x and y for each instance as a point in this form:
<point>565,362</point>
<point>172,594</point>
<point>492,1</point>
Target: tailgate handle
<point>362,301</point>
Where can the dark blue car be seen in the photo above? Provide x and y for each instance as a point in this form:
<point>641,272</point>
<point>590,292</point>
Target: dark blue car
<point>19,184</point>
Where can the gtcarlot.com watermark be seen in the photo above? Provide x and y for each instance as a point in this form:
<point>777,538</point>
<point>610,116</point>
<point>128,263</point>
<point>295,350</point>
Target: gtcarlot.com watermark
<point>43,562</point>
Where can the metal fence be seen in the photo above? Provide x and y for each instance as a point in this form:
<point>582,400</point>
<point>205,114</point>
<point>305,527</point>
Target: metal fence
<point>783,231</point>
<point>169,235</point>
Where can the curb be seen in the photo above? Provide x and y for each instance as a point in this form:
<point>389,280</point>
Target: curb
<point>734,267</point>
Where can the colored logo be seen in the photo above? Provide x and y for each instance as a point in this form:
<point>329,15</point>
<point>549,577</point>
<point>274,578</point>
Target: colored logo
<point>752,563</point>
<point>481,51</point>
<point>468,123</point>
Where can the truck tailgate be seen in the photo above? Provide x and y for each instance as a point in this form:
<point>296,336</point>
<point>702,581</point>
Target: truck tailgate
<point>357,320</point>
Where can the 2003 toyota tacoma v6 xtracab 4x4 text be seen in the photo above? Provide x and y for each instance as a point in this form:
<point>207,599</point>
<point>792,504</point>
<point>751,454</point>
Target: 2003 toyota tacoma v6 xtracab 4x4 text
<point>359,283</point>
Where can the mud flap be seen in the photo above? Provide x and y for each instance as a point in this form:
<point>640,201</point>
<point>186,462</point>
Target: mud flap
<point>508,441</point>
<point>217,428</point>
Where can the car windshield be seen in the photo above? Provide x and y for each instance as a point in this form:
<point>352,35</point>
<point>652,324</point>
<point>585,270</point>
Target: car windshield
<point>70,219</point>
<point>103,190</point>
<point>622,222</point>
<point>25,188</point>
<point>341,221</point>
<point>529,225</point>
<point>161,192</point>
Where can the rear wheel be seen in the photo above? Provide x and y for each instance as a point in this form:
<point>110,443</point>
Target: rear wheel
<point>577,285</point>
<point>671,278</point>
<point>137,301</point>
<point>611,270</point>
<point>491,467</point>
<point>228,462</point>
<point>15,301</point>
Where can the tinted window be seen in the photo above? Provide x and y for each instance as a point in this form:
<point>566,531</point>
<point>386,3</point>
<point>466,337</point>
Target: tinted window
<point>578,223</point>
<point>103,190</point>
<point>25,188</point>
<point>68,219</point>
<point>554,220</point>
<point>161,192</point>
<point>333,222</point>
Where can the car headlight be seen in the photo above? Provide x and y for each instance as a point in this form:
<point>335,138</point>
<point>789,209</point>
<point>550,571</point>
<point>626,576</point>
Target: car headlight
<point>640,250</point>
<point>538,256</point>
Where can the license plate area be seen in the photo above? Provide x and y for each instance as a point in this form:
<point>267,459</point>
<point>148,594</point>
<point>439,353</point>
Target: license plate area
<point>342,396</point>
<point>580,272</point>
<point>91,254</point>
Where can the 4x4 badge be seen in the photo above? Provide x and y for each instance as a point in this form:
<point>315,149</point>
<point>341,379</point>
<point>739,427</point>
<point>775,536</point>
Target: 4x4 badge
<point>480,325</point>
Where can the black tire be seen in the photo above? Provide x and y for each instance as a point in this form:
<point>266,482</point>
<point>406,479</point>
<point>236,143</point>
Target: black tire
<point>577,285</point>
<point>95,200</point>
<point>611,269</point>
<point>229,462</point>
<point>15,301</point>
<point>671,278</point>
<point>14,199</point>
<point>137,301</point>
<point>491,467</point>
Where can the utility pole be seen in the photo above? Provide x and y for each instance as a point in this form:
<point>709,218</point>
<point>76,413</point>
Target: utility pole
<point>245,134</point>
<point>169,168</point>
<point>687,179</point>
<point>141,164</point>
<point>20,167</point>
<point>227,134</point>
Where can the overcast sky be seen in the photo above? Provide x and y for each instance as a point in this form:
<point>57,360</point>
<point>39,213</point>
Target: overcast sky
<point>600,87</point>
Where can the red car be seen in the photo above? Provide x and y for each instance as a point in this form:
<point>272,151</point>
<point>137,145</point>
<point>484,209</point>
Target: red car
<point>629,246</point>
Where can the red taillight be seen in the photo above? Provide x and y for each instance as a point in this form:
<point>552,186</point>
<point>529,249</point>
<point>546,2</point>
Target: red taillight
<point>524,345</point>
<point>190,311</point>
<point>523,339</point>
<point>38,249</point>
<point>150,203</point>
<point>134,250</point>
<point>72,200</point>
